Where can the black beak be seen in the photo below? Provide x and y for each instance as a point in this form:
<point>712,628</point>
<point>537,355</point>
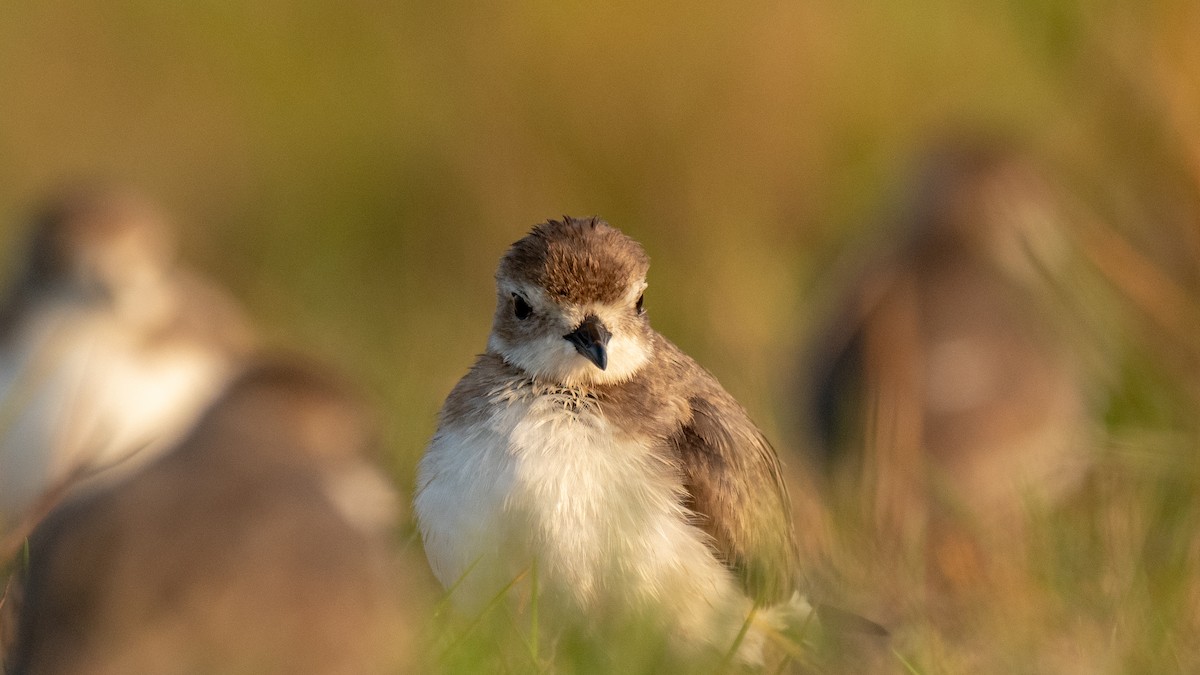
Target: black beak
<point>590,340</point>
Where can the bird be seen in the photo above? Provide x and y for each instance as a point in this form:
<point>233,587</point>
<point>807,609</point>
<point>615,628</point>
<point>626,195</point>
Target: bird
<point>235,551</point>
<point>947,387</point>
<point>585,444</point>
<point>109,347</point>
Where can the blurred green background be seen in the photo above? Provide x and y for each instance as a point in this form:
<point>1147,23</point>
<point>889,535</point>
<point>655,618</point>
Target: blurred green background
<point>353,170</point>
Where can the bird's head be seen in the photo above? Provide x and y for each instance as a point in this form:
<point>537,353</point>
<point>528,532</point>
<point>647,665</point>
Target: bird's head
<point>569,304</point>
<point>103,242</point>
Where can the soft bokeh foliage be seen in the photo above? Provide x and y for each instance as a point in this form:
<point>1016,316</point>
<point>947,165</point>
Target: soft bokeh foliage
<point>353,170</point>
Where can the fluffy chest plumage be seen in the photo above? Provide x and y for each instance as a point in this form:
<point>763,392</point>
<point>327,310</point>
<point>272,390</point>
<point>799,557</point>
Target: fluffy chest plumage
<point>81,392</point>
<point>548,475</point>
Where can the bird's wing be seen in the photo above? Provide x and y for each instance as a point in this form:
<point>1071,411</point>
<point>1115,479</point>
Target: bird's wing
<point>735,486</point>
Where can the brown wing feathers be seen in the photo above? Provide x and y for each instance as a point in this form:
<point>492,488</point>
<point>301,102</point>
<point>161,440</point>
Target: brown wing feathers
<point>734,483</point>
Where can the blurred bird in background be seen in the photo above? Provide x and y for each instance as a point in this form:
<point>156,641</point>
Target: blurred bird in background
<point>109,348</point>
<point>245,548</point>
<point>948,402</point>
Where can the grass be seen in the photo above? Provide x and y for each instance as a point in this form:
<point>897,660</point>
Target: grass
<point>353,171</point>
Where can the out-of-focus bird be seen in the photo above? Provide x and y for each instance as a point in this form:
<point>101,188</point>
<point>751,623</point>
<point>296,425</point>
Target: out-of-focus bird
<point>945,389</point>
<point>109,349</point>
<point>245,549</point>
<point>586,446</point>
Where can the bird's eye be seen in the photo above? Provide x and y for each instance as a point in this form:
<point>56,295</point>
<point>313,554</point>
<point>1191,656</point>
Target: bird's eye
<point>521,308</point>
<point>640,308</point>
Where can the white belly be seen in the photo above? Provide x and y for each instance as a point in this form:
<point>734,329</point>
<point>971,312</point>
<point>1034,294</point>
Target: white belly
<point>79,393</point>
<point>550,479</point>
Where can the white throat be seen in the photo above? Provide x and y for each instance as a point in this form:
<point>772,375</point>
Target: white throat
<point>557,360</point>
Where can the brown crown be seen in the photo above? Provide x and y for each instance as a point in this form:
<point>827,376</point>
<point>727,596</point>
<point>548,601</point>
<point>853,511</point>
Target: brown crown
<point>576,260</point>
